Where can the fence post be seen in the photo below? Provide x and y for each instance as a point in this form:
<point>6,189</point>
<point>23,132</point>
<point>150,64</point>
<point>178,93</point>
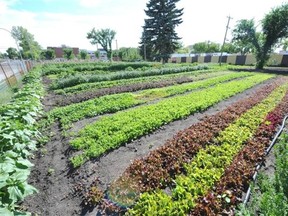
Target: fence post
<point>7,79</point>
<point>20,68</point>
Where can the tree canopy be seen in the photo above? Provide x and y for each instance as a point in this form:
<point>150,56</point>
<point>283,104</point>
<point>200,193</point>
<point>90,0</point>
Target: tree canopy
<point>128,54</point>
<point>30,47</point>
<point>68,53</point>
<point>12,53</point>
<point>48,54</point>
<point>159,38</point>
<point>205,47</point>
<point>104,37</point>
<point>83,54</point>
<point>274,28</point>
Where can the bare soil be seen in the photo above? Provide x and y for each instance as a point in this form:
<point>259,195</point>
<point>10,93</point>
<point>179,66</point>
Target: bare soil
<point>61,188</point>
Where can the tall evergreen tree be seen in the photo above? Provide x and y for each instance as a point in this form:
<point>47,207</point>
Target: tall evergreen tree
<point>159,37</point>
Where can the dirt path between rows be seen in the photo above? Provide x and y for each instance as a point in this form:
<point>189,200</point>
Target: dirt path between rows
<point>60,188</point>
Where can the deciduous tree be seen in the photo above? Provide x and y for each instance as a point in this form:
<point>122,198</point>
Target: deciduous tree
<point>129,54</point>
<point>205,47</point>
<point>30,47</point>
<point>274,28</point>
<point>68,53</point>
<point>104,37</point>
<point>83,54</point>
<point>12,53</point>
<point>48,54</point>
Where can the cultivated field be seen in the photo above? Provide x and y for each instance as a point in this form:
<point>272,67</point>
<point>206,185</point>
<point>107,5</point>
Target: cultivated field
<point>140,138</point>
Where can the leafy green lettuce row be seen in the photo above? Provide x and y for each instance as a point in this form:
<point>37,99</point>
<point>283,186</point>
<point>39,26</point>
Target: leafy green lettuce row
<point>112,131</point>
<point>208,165</point>
<point>113,103</point>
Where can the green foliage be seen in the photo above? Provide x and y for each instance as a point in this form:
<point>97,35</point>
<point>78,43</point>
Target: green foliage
<point>208,165</point>
<point>12,53</point>
<point>114,103</point>
<point>83,54</point>
<point>17,136</point>
<point>68,53</point>
<point>275,28</point>
<point>244,36</point>
<point>281,175</point>
<point>230,48</point>
<point>31,48</point>
<point>129,54</point>
<point>159,37</point>
<point>89,78</point>
<point>269,194</point>
<point>71,67</point>
<point>151,94</point>
<point>205,47</point>
<point>48,54</point>
<point>284,44</point>
<point>98,106</point>
<point>112,131</point>
<point>195,75</point>
<point>104,37</point>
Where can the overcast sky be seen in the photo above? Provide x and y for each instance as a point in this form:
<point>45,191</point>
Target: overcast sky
<point>57,22</point>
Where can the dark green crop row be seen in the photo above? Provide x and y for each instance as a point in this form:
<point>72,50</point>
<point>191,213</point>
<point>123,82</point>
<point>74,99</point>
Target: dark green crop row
<point>70,68</point>
<point>112,131</point>
<point>106,104</point>
<point>17,137</point>
<point>79,78</point>
<point>208,165</point>
<point>114,103</point>
<point>65,100</point>
<point>84,87</point>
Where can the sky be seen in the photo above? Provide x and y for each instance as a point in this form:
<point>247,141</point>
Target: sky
<point>66,22</point>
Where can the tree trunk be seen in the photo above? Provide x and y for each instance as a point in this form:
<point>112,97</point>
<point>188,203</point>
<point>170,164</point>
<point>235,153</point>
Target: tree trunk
<point>261,58</point>
<point>260,64</point>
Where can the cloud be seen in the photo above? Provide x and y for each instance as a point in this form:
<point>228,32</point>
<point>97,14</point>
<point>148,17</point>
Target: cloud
<point>89,3</point>
<point>126,17</point>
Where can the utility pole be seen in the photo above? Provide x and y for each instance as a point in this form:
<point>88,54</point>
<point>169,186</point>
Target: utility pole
<point>227,27</point>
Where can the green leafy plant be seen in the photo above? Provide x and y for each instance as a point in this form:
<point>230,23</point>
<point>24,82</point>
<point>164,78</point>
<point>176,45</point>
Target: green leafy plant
<point>18,133</point>
<point>110,132</point>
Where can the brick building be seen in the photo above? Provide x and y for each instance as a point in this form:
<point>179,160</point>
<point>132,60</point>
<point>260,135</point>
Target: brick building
<point>59,51</point>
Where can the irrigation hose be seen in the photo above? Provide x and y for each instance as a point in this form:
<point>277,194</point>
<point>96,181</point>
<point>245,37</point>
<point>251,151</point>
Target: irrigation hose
<point>266,153</point>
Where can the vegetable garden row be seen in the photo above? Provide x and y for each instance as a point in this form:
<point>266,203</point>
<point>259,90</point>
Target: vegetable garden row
<point>201,170</point>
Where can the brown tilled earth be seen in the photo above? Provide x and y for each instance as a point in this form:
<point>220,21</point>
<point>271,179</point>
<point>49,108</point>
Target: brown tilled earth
<point>61,188</point>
